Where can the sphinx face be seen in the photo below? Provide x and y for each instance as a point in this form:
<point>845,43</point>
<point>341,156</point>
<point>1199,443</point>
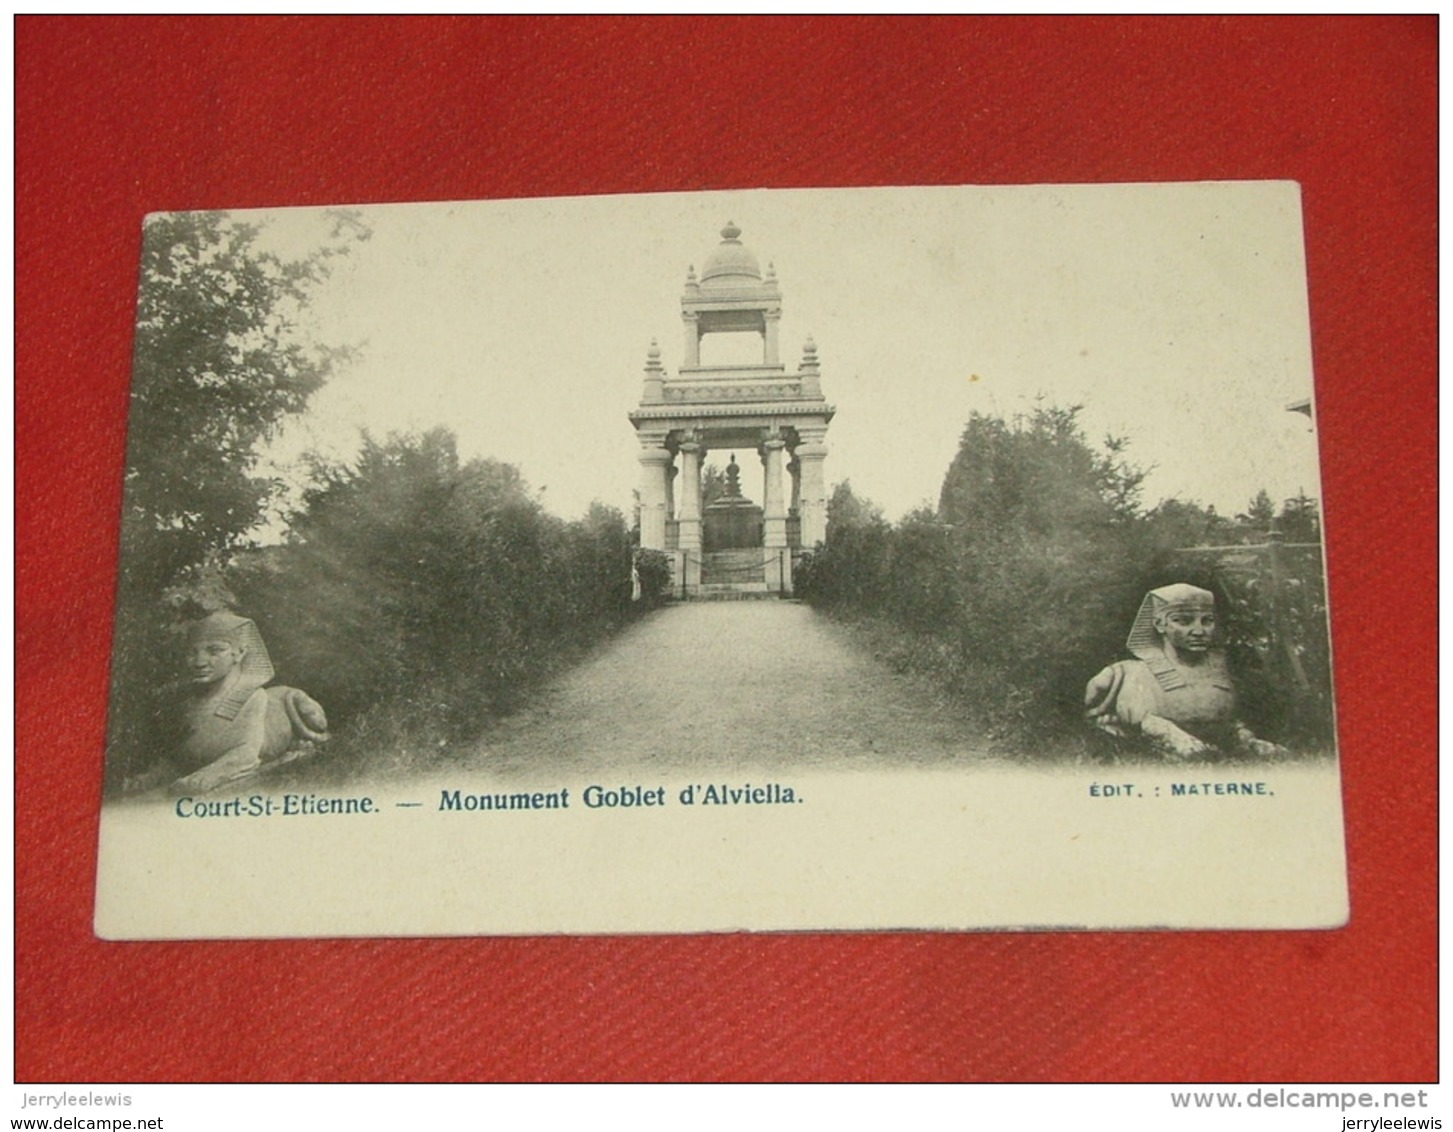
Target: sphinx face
<point>212,660</point>
<point>1189,632</point>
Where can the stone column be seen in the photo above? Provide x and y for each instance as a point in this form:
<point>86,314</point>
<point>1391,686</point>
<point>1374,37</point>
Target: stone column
<point>654,462</point>
<point>812,501</point>
<point>774,518</point>
<point>774,510</point>
<point>769,334</point>
<point>689,531</point>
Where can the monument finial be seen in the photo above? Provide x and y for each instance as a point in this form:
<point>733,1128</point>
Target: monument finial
<point>655,374</point>
<point>730,233</point>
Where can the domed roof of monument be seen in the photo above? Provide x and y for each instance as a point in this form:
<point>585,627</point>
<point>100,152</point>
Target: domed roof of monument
<point>731,263</point>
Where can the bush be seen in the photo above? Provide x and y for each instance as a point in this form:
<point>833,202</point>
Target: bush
<point>417,597</point>
<point>442,586</point>
<point>1024,583</point>
<point>653,573</point>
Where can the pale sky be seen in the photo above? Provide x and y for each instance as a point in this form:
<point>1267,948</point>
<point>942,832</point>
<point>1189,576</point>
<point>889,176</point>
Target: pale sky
<point>1176,314</point>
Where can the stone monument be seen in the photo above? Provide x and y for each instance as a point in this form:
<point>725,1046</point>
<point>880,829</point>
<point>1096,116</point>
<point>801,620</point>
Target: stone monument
<point>732,522</point>
<point>734,406</point>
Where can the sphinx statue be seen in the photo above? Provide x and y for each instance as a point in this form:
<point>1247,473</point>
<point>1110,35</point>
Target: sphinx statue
<point>231,724</point>
<point>1175,694</point>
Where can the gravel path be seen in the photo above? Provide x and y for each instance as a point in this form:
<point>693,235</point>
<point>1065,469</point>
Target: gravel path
<point>744,685</point>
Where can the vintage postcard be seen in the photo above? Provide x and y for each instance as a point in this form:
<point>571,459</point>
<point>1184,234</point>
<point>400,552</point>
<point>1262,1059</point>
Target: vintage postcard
<point>920,558</point>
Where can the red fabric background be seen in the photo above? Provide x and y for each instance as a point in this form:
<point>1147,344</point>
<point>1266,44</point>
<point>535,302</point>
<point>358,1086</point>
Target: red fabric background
<point>116,118</point>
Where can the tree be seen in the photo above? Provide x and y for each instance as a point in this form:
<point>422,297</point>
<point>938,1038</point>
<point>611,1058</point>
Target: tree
<point>1046,522</point>
<point>1179,523</point>
<point>846,509</point>
<point>1038,473</point>
<point>1260,514</point>
<point>1300,519</point>
<point>713,483</point>
<point>1014,590</point>
<point>219,362</point>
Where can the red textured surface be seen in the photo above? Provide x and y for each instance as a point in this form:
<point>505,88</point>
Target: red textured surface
<point>116,118</point>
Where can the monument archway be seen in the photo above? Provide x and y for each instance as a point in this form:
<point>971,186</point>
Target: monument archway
<point>734,547</point>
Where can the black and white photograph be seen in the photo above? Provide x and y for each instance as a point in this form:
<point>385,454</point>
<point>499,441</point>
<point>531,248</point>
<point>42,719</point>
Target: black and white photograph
<point>929,558</point>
